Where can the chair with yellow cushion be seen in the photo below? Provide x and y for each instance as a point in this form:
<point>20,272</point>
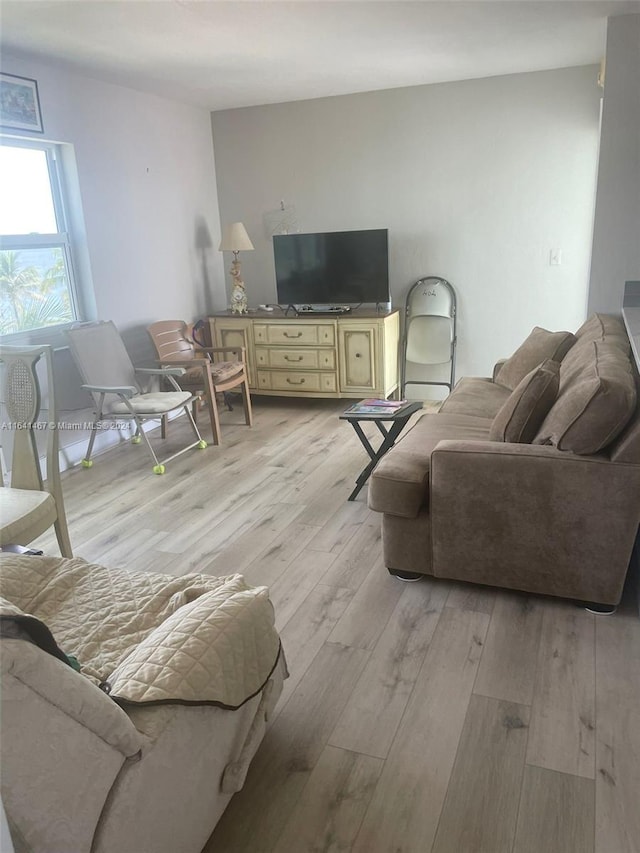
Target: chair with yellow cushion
<point>30,506</point>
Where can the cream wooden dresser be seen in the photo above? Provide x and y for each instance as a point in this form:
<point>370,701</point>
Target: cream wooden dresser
<point>351,355</point>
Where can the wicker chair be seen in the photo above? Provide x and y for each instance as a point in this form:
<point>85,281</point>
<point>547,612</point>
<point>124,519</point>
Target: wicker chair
<point>30,506</point>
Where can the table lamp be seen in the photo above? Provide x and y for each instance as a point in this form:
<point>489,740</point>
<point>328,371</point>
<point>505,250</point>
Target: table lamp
<point>235,239</point>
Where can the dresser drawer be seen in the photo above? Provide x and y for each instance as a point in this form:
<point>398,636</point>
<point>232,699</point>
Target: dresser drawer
<point>300,381</point>
<point>295,334</point>
<point>311,359</point>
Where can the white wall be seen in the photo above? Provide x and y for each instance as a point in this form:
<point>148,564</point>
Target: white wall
<point>616,234</point>
<point>146,176</point>
<point>147,181</point>
<point>475,180</point>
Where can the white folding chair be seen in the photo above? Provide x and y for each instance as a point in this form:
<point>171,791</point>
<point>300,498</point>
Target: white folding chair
<point>430,330</point>
<point>110,376</point>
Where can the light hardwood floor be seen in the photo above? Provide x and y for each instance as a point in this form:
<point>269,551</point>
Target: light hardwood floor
<point>421,717</point>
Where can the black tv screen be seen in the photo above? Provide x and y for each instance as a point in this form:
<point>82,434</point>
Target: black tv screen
<point>334,268</point>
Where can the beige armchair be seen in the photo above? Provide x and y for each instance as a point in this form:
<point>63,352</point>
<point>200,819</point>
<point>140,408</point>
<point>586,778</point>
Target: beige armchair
<point>30,506</point>
<point>204,377</point>
<point>89,767</point>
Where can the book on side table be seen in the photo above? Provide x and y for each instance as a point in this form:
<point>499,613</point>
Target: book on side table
<point>377,407</point>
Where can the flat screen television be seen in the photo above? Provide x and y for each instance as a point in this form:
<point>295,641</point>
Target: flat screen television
<point>334,268</point>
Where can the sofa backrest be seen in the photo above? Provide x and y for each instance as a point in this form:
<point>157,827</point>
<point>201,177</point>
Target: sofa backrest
<point>597,397</point>
<point>626,447</point>
<point>600,327</point>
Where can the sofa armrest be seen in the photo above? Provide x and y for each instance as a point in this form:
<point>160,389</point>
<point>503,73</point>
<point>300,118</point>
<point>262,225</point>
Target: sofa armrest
<point>399,483</point>
<point>497,367</point>
<point>70,693</point>
<point>534,518</point>
<point>63,742</point>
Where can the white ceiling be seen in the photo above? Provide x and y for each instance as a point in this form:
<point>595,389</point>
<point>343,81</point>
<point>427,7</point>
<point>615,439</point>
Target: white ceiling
<point>221,54</point>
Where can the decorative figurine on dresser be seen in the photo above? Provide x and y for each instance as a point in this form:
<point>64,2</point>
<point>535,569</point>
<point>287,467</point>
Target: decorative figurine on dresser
<point>235,239</point>
<point>239,303</point>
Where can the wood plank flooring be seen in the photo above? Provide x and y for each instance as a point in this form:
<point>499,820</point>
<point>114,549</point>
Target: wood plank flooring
<point>433,717</point>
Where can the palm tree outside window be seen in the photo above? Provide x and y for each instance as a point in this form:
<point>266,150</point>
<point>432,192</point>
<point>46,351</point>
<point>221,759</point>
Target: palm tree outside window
<point>37,286</point>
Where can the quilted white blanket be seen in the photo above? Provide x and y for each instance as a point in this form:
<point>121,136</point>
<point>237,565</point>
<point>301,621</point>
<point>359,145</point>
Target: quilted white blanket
<point>150,638</point>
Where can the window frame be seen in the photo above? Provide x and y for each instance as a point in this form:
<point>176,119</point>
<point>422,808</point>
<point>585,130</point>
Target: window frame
<point>63,239</point>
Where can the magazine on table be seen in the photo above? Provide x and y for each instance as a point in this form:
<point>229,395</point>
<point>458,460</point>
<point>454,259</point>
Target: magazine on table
<point>376,407</point>
<point>388,404</point>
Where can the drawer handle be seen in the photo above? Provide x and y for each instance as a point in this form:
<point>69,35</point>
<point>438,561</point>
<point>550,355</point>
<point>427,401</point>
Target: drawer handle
<point>290,358</point>
<point>297,335</point>
<point>358,355</point>
<point>291,382</point>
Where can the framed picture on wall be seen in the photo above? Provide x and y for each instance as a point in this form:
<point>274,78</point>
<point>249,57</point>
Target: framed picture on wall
<point>19,104</point>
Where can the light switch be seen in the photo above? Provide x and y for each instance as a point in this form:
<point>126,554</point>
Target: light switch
<point>555,257</point>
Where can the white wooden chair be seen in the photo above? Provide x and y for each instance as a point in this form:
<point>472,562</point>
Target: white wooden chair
<point>30,506</point>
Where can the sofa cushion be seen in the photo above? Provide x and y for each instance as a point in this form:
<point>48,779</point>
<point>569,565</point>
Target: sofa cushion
<point>522,415</point>
<point>600,327</point>
<point>540,345</point>
<point>219,648</point>
<point>595,402</point>
<point>476,396</point>
<point>399,483</point>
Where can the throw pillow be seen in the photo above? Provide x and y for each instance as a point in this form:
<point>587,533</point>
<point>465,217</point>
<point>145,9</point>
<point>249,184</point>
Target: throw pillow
<point>594,403</point>
<point>540,345</point>
<point>522,414</point>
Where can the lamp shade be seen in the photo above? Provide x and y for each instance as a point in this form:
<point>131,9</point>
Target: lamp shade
<point>235,239</point>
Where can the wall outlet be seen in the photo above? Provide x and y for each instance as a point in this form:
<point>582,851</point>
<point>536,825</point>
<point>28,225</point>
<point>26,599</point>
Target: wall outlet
<point>555,257</point>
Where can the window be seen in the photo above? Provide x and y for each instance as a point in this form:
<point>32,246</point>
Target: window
<point>37,286</point>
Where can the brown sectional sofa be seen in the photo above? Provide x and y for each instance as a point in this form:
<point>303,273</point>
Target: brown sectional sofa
<point>528,480</point>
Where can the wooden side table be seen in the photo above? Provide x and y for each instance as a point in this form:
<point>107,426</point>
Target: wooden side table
<point>398,419</point>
